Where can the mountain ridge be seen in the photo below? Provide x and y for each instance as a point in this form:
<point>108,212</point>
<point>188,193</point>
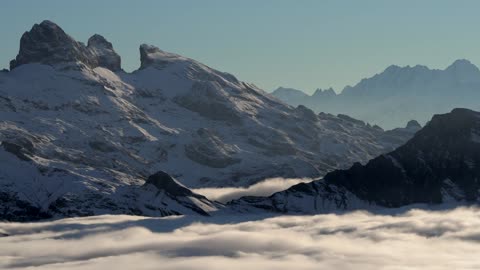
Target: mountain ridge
<point>440,164</point>
<point>399,94</point>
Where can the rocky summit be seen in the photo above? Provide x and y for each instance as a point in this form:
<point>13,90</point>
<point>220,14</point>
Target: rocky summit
<point>47,43</point>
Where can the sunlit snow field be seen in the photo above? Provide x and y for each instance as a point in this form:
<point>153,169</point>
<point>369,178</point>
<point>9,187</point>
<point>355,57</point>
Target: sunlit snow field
<point>413,239</point>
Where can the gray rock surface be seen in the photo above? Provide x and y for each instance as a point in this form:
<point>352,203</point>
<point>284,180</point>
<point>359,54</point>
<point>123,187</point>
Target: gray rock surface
<point>104,52</point>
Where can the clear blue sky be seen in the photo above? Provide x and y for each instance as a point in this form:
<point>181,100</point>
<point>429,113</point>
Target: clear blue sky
<point>303,44</point>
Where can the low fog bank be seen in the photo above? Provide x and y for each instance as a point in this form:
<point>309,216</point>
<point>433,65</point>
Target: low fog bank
<point>417,239</point>
<point>264,188</point>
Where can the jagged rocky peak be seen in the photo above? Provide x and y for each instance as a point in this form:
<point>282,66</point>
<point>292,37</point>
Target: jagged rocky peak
<point>459,124</point>
<point>104,52</point>
<point>181,200</point>
<point>413,124</point>
<point>464,71</point>
<point>152,56</point>
<point>440,163</point>
<point>285,91</point>
<point>164,182</point>
<point>47,43</point>
<point>324,93</point>
<point>462,64</point>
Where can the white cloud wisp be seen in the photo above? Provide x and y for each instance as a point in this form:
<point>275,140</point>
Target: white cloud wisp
<point>264,188</point>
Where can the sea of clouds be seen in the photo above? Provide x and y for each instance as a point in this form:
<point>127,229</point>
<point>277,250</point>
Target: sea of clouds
<point>264,188</point>
<point>414,239</point>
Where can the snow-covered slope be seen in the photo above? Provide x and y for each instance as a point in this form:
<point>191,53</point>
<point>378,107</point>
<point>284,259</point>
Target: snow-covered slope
<point>72,110</point>
<point>34,188</point>
<point>175,114</point>
<point>398,94</point>
<point>440,164</point>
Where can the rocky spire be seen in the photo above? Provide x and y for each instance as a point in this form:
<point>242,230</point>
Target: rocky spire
<point>104,52</point>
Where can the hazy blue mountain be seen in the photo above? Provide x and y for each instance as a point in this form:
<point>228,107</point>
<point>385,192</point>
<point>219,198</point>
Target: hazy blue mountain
<point>399,94</point>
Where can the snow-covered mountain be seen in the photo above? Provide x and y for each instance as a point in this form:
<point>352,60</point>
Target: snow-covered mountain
<point>398,94</point>
<point>81,136</point>
<point>440,164</point>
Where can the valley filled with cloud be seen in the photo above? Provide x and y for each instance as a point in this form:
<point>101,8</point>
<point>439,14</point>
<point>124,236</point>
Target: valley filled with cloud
<point>442,239</point>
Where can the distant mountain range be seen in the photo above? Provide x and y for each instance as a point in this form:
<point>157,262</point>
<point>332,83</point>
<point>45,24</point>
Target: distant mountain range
<point>82,137</point>
<point>397,95</point>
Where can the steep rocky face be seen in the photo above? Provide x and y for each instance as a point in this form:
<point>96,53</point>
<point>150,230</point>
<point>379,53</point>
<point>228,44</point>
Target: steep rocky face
<point>151,55</point>
<point>441,163</point>
<point>163,181</point>
<point>166,186</point>
<point>47,43</point>
<point>104,53</point>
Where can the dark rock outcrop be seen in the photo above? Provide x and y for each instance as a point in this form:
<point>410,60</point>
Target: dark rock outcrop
<point>19,151</point>
<point>441,160</point>
<point>15,210</point>
<point>168,189</point>
<point>306,113</point>
<point>153,56</point>
<point>163,181</point>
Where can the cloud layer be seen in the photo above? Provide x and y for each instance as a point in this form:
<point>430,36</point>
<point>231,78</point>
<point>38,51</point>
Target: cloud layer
<point>264,188</point>
<point>416,239</point>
